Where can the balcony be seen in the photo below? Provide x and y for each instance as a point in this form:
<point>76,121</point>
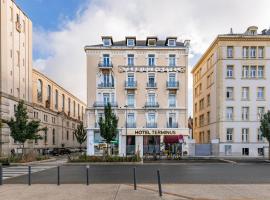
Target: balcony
<point>131,125</point>
<point>151,125</point>
<point>103,104</point>
<point>106,85</point>
<point>151,105</point>
<point>131,84</point>
<point>151,85</point>
<point>172,125</point>
<point>173,85</point>
<point>107,65</point>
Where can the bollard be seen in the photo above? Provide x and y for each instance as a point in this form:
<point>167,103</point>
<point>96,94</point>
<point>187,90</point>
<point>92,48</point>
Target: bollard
<point>134,178</point>
<point>58,175</point>
<point>159,183</point>
<point>29,175</point>
<point>87,175</point>
<point>1,174</point>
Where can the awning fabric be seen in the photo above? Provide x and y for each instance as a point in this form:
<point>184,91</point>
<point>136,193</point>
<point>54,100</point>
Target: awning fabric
<point>172,139</point>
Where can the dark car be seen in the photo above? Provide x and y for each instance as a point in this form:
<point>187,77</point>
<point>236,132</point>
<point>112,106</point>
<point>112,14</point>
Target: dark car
<point>60,151</point>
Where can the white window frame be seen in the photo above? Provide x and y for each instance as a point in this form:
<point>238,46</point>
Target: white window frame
<point>132,44</point>
<point>172,40</point>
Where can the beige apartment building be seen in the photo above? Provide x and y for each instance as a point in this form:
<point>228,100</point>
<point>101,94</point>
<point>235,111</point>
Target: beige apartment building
<point>145,81</point>
<point>20,82</point>
<point>231,93</point>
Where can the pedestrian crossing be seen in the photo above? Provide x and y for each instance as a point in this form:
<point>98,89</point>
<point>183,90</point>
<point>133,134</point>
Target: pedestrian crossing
<point>14,171</point>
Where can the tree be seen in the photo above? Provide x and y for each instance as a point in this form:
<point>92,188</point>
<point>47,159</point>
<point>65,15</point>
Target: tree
<point>265,129</point>
<point>108,124</point>
<point>80,134</point>
<point>22,129</point>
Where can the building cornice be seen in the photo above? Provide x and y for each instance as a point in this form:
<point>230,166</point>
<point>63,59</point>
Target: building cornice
<point>229,38</point>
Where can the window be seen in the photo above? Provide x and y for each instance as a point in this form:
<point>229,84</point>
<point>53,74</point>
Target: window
<point>63,102</point>
<point>74,109</point>
<point>172,60</point>
<point>39,90</point>
<point>196,108</point>
<point>171,42</point>
<point>56,99</point>
<point>53,137</point>
<point>245,151</point>
<point>130,42</point>
<point>259,136</point>
<point>245,72</point>
<point>208,117</point>
<point>67,135</point>
<point>131,120</point>
<point>208,100</point>
<point>45,137</point>
<point>106,42</point>
<point>260,93</point>
<point>172,100</point>
<point>172,121</point>
<point>151,42</point>
<point>151,80</point>
<point>106,60</point>
<point>245,113</point>
<point>253,52</point>
<point>229,93</point>
<point>253,72</point>
<point>260,52</point>
<point>201,120</point>
<point>229,113</point>
<point>131,100</point>
<point>229,71</point>
<point>11,14</point>
<point>260,112</point>
<point>245,134</point>
<point>69,106</point>
<point>18,58</point>
<point>229,134</point>
<point>130,80</point>
<point>130,59</point>
<point>151,98</point>
<point>49,89</point>
<point>260,152</point>
<point>245,93</point>
<point>229,52</point>
<point>79,111</point>
<point>151,118</point>
<point>245,52</point>
<point>151,60</point>
<point>260,71</point>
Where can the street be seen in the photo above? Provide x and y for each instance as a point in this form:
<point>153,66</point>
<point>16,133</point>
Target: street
<point>171,173</point>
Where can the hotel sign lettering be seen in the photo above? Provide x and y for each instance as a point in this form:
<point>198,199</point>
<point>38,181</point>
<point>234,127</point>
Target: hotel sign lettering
<point>154,132</point>
<point>122,69</point>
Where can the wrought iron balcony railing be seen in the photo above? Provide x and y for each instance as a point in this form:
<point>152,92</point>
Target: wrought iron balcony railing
<point>172,84</point>
<point>131,125</point>
<point>151,105</point>
<point>131,84</point>
<point>106,85</point>
<point>103,104</point>
<point>151,85</point>
<point>105,65</point>
<point>172,125</point>
<point>151,125</point>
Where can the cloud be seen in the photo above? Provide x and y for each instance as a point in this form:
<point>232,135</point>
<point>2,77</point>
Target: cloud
<point>61,52</point>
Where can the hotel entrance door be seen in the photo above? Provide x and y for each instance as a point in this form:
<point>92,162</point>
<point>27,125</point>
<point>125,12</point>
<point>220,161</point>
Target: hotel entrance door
<point>151,145</point>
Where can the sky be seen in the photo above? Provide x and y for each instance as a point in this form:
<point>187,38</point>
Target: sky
<point>61,28</point>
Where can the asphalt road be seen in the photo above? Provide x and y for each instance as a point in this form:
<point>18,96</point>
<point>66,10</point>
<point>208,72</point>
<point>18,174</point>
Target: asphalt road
<point>191,173</point>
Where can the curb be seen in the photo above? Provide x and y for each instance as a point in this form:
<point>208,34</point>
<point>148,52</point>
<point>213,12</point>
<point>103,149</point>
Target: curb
<point>104,163</point>
<point>34,162</point>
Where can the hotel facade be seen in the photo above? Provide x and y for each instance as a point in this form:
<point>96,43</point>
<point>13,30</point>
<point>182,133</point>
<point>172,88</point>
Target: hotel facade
<point>55,107</point>
<point>145,81</point>
<point>231,93</point>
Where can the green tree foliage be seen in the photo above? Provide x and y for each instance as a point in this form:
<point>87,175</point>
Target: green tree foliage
<point>108,124</point>
<point>265,129</point>
<point>21,128</point>
<point>80,134</point>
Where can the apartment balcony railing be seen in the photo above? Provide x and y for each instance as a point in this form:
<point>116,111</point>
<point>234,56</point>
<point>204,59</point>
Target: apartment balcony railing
<point>103,104</point>
<point>105,65</point>
<point>131,84</point>
<point>151,105</point>
<point>151,85</point>
<point>106,85</point>
<point>131,125</point>
<point>151,125</point>
<point>172,125</point>
<point>173,85</point>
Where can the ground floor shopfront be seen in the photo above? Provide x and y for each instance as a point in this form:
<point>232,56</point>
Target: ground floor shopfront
<point>143,142</point>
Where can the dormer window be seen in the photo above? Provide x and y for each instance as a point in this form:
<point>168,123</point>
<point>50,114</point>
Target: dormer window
<point>171,42</point>
<point>152,42</point>
<point>107,42</point>
<point>130,42</point>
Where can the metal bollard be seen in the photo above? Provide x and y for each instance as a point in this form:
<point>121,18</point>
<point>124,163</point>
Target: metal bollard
<point>134,178</point>
<point>159,183</point>
<point>87,175</point>
<point>1,174</point>
<point>29,175</point>
<point>58,175</point>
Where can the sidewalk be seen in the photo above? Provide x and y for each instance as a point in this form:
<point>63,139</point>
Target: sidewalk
<point>124,192</point>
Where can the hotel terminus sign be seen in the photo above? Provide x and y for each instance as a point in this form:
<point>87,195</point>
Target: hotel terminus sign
<point>179,69</point>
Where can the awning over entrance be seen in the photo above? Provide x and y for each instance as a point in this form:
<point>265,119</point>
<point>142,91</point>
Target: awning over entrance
<point>172,139</point>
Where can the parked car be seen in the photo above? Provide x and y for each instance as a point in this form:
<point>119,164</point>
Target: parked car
<point>60,151</point>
